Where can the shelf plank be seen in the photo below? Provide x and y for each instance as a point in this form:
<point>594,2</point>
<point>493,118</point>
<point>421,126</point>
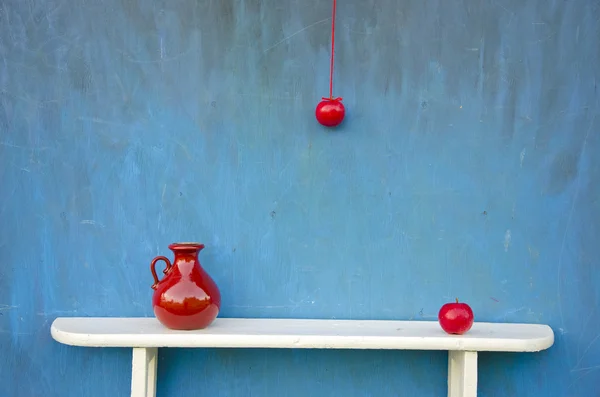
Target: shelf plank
<point>300,333</point>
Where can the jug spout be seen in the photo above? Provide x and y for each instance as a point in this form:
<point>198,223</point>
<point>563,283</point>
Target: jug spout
<point>186,247</point>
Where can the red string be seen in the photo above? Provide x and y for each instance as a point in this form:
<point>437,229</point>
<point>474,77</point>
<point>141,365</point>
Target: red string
<point>332,52</point>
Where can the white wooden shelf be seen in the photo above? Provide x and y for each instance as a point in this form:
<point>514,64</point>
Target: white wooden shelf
<point>146,335</point>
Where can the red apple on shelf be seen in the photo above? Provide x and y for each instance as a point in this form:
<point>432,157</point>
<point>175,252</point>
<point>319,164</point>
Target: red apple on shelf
<point>456,318</point>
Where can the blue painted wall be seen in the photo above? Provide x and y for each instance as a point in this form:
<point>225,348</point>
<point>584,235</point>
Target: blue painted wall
<point>468,166</point>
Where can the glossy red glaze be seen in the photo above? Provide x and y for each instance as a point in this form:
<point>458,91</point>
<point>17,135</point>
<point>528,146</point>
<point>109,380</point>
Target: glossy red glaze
<point>456,318</point>
<point>186,298</point>
<point>330,112</point>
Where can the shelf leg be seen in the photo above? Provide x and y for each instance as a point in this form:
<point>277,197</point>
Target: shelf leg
<point>462,374</point>
<point>143,372</point>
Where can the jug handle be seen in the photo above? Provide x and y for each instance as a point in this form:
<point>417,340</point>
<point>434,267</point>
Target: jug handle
<point>153,270</point>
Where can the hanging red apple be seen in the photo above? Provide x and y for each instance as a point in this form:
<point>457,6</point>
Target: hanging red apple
<point>456,318</point>
<point>330,112</point>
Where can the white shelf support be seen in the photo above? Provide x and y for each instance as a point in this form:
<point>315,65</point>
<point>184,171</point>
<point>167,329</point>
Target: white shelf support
<point>462,374</point>
<point>146,335</point>
<point>143,372</point>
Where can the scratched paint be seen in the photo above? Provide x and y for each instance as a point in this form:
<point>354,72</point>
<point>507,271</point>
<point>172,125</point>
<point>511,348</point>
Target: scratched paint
<point>468,166</point>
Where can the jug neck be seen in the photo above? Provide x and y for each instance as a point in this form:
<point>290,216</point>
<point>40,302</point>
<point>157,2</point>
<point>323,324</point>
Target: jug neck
<point>186,250</point>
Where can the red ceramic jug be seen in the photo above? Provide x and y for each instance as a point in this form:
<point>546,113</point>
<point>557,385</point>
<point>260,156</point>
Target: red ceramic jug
<point>186,298</point>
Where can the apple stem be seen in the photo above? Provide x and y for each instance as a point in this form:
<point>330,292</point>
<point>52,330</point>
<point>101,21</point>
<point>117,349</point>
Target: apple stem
<point>456,300</point>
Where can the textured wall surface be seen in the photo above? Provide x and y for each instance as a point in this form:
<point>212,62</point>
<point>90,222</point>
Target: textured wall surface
<point>468,165</point>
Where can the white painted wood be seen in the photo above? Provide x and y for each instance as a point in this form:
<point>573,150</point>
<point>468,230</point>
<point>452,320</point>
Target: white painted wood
<point>462,374</point>
<point>143,372</point>
<point>299,333</point>
<point>145,335</point>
